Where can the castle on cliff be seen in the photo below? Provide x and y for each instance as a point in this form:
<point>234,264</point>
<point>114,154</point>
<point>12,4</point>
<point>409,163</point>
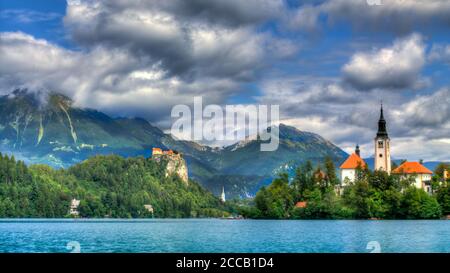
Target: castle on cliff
<point>175,163</point>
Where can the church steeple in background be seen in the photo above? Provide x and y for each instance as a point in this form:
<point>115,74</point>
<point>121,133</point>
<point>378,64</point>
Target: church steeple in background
<point>382,131</point>
<point>222,196</point>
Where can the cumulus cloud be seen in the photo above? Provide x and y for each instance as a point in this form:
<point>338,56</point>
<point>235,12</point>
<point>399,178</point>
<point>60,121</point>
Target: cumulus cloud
<point>395,67</point>
<point>305,18</point>
<point>187,38</point>
<point>140,58</point>
<point>395,16</point>
<point>26,60</point>
<point>319,105</point>
<point>348,116</point>
<point>428,111</point>
<point>106,79</point>
<point>304,90</point>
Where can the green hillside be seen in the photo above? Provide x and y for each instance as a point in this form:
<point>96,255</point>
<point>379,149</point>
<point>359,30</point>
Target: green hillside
<point>108,186</point>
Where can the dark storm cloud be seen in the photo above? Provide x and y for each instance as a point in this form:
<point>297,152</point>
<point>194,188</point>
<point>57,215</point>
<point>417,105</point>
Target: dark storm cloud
<point>395,16</point>
<point>186,38</point>
<point>226,12</point>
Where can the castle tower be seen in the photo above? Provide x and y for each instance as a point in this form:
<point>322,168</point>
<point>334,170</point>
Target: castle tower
<point>382,148</point>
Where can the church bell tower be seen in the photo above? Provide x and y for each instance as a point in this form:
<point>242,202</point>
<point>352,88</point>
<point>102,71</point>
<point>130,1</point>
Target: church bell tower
<point>382,148</point>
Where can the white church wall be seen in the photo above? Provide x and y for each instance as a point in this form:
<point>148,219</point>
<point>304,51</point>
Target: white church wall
<point>349,173</point>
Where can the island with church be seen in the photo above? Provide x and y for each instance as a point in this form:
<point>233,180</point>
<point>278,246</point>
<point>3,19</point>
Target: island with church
<point>389,190</point>
<point>382,162</point>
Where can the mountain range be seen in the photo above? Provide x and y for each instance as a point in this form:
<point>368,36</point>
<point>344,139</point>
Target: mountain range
<point>47,128</point>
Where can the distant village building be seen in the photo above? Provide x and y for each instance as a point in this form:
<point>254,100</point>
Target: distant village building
<point>446,175</point>
<point>320,175</point>
<point>415,170</point>
<point>222,196</point>
<point>74,204</point>
<point>382,146</point>
<point>350,167</point>
<point>301,204</point>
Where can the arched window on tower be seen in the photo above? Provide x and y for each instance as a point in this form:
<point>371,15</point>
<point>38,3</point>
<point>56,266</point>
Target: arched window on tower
<point>380,144</point>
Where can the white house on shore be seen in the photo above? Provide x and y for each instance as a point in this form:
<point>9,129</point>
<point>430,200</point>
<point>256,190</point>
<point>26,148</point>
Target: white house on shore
<point>420,174</point>
<point>74,204</point>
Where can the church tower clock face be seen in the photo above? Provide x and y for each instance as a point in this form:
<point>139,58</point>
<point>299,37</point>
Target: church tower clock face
<point>383,160</point>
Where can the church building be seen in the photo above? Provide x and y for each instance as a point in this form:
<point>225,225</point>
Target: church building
<point>382,157</point>
<point>350,166</point>
<point>419,174</point>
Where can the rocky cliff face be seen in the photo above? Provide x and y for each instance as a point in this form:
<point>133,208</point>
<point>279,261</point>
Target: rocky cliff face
<point>175,165</point>
<point>179,167</point>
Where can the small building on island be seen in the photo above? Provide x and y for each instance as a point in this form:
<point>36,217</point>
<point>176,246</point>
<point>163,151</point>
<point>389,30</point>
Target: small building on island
<point>74,204</point>
<point>149,208</point>
<point>420,174</point>
<point>350,166</point>
<point>301,204</point>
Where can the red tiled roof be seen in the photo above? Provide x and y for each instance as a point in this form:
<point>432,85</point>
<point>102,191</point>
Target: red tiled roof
<point>352,162</point>
<point>301,204</point>
<point>412,168</point>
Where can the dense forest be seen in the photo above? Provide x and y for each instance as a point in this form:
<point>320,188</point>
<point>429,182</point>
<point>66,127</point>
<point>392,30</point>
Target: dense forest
<point>372,195</point>
<point>117,187</point>
<point>108,186</point>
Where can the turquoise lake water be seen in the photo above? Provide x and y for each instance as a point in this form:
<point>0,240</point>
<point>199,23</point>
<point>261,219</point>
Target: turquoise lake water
<point>216,235</point>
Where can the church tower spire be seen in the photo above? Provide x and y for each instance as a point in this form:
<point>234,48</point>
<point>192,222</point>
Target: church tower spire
<point>357,150</point>
<point>382,146</point>
<point>382,132</point>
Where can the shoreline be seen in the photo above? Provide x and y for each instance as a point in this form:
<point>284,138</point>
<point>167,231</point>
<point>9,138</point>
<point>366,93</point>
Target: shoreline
<point>207,218</point>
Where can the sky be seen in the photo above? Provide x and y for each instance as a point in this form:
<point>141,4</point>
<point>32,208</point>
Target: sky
<point>328,64</point>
